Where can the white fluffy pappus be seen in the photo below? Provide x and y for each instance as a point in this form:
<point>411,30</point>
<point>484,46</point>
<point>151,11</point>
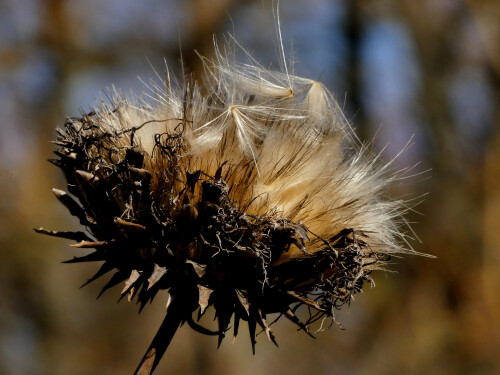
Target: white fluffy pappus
<point>286,148</point>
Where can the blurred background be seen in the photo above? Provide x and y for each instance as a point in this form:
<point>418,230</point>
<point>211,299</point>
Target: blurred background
<point>401,68</point>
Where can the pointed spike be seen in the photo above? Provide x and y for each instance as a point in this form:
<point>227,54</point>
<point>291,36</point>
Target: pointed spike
<point>192,179</point>
<point>293,318</point>
<point>152,294</point>
<point>134,275</point>
<point>74,208</point>
<point>127,225</point>
<point>223,318</point>
<point>60,194</point>
<point>260,317</point>
<point>61,132</point>
<point>169,301</point>
<point>105,268</point>
<point>69,155</point>
<point>200,314</point>
<point>143,296</point>
<point>86,176</point>
<point>299,243</point>
<point>157,274</point>
<point>116,279</point>
<point>56,162</point>
<point>131,294</point>
<point>96,256</point>
<point>218,173</point>
<point>149,298</point>
<point>59,143</point>
<point>236,325</point>
<point>243,300</point>
<point>161,340</point>
<point>76,236</point>
<point>220,338</point>
<point>301,231</point>
<point>121,297</point>
<point>204,295</point>
<point>251,329</point>
<point>306,300</point>
<point>199,328</point>
<point>89,245</point>
<point>224,307</point>
<point>143,305</point>
<point>198,268</point>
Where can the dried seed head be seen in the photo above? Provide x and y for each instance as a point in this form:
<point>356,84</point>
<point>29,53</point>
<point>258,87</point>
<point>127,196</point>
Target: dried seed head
<point>248,193</point>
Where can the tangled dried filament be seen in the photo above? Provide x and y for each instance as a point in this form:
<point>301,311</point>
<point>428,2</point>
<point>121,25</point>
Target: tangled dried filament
<point>248,192</point>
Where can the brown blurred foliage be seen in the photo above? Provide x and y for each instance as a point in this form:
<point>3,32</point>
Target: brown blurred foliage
<point>434,316</point>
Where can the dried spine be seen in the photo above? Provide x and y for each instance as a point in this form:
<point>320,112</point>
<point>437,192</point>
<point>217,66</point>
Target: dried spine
<point>247,193</point>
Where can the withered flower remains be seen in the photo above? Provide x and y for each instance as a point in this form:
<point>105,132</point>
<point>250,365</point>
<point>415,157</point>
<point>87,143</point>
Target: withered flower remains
<point>248,193</point>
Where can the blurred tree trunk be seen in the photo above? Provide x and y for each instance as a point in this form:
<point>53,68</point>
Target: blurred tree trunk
<point>354,34</point>
<point>461,201</point>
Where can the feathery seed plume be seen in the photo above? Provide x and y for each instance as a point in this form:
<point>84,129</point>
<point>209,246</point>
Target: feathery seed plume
<point>248,192</point>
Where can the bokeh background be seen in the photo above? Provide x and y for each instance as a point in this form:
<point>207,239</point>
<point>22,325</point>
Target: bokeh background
<point>401,68</point>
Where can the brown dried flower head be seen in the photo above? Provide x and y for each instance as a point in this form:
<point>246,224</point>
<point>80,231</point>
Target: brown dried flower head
<point>248,193</point>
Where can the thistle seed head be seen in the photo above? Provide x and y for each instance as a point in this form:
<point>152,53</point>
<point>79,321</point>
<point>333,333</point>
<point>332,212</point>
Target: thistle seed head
<point>248,192</point>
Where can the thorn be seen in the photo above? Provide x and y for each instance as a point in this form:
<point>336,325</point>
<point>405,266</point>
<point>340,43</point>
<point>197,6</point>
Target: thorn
<point>293,318</point>
<point>134,275</point>
<point>86,176</point>
<point>307,301</point>
<point>251,328</point>
<point>198,268</point>
<point>128,225</point>
<point>244,301</point>
<point>76,236</point>
<point>96,256</point>
<point>74,208</point>
<point>105,268</point>
<point>157,274</point>
<point>117,278</point>
<point>89,244</point>
<point>204,296</point>
<point>161,341</point>
<point>262,322</point>
<point>236,326</point>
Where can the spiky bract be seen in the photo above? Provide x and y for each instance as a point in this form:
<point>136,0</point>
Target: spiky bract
<point>247,193</point>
